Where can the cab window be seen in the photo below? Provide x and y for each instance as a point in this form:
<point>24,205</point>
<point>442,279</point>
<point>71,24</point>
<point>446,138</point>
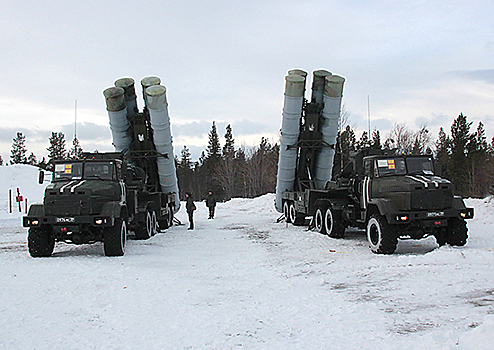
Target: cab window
<point>68,171</point>
<point>391,166</point>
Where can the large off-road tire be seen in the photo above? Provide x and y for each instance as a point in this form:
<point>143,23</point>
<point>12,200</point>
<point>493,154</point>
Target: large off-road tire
<point>296,218</point>
<point>145,231</point>
<point>319,221</point>
<point>115,238</point>
<point>333,223</point>
<point>457,232</point>
<point>380,236</point>
<point>166,221</point>
<point>286,211</point>
<point>154,224</point>
<point>41,241</point>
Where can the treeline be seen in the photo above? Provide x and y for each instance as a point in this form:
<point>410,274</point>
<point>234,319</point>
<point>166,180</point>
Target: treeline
<point>464,156</point>
<point>56,151</point>
<point>228,171</point>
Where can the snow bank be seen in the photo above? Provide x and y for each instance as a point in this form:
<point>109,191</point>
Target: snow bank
<point>24,178</point>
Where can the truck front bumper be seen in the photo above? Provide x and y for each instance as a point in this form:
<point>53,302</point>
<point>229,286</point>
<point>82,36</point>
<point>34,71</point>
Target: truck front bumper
<point>62,221</point>
<point>430,218</point>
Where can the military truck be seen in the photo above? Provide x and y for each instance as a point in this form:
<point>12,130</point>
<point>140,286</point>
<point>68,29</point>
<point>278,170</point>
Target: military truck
<point>390,195</point>
<point>96,199</point>
<point>103,196</point>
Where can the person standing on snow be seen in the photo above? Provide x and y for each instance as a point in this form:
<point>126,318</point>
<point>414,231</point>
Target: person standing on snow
<point>211,204</point>
<point>190,206</point>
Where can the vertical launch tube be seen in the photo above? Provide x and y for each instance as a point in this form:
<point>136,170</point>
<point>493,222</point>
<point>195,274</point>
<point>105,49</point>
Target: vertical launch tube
<point>147,82</point>
<point>160,123</point>
<point>119,124</point>
<point>130,94</point>
<point>318,83</point>
<point>333,92</point>
<point>292,113</point>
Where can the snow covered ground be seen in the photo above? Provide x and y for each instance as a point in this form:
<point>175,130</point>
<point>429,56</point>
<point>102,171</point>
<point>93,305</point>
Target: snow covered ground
<point>244,281</point>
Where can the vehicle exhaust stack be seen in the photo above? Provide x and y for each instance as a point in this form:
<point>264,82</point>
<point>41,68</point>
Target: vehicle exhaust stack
<point>160,123</point>
<point>292,113</point>
<point>128,85</point>
<point>119,124</point>
<point>333,92</point>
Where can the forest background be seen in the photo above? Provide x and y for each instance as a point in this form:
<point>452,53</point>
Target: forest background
<point>464,156</point>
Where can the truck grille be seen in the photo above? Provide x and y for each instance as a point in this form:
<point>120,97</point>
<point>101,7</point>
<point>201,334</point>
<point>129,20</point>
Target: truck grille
<point>67,205</point>
<point>431,199</point>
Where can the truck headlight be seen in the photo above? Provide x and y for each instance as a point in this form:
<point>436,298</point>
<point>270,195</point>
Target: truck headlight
<point>466,213</point>
<point>100,221</point>
<point>34,222</point>
<point>402,218</point>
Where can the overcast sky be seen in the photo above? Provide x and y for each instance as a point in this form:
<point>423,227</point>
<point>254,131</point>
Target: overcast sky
<point>419,61</point>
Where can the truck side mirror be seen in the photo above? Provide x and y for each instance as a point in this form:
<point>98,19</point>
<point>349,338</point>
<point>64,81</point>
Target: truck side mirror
<point>41,178</point>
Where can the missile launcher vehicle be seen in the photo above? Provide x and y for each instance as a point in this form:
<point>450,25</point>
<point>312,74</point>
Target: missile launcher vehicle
<point>102,196</point>
<point>391,196</point>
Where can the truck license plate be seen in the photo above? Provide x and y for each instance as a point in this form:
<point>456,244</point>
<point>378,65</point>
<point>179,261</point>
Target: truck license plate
<point>435,214</point>
<point>65,220</point>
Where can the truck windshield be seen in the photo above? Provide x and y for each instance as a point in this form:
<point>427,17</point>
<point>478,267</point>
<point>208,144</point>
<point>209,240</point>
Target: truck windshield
<point>68,171</point>
<point>419,166</point>
<point>100,170</point>
<point>391,166</point>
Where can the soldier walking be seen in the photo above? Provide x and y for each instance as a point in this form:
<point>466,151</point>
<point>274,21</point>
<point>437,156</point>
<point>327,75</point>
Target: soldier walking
<point>211,204</point>
<point>190,206</point>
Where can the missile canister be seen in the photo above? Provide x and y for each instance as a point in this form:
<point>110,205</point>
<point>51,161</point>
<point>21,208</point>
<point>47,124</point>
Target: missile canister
<point>128,85</point>
<point>147,82</point>
<point>333,92</point>
<point>119,124</point>
<point>292,113</point>
<point>160,123</point>
<point>318,83</point>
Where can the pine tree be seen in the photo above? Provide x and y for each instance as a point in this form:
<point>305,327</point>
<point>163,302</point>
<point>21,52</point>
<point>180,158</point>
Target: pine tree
<point>57,150</point>
<point>442,153</point>
<point>32,159</point>
<point>226,172</point>
<point>376,140</point>
<point>229,147</point>
<point>76,151</point>
<point>213,149</point>
<point>211,163</point>
<point>185,172</point>
<point>19,150</point>
<point>364,141</point>
<point>458,171</point>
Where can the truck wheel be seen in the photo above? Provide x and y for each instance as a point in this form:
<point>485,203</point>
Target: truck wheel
<point>457,232</point>
<point>286,211</point>
<point>318,221</point>
<point>166,221</point>
<point>333,223</point>
<point>154,224</point>
<point>295,218</point>
<point>115,238</point>
<point>146,231</point>
<point>41,241</point>
<point>380,236</point>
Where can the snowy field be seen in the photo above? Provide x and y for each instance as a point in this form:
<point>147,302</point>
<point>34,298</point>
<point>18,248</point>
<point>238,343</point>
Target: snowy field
<point>244,281</point>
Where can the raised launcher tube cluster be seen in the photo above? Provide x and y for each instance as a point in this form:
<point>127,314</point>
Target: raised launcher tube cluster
<point>144,138</point>
<point>307,142</point>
